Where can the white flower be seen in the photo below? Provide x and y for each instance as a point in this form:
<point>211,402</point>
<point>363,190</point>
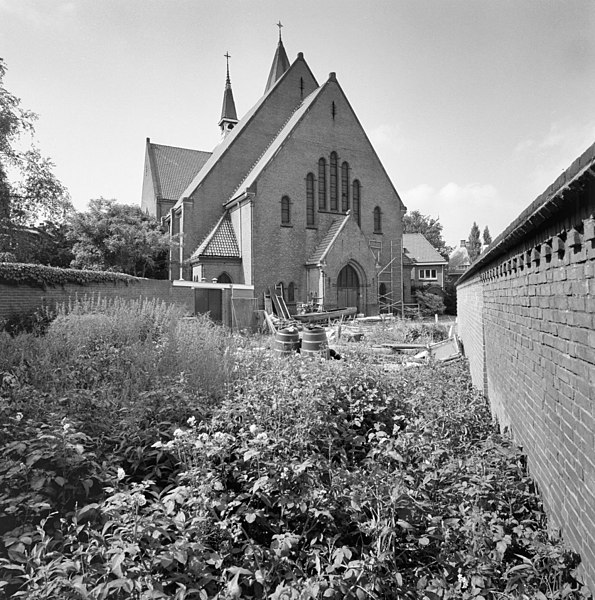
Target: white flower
<point>121,473</point>
<point>178,433</point>
<point>192,421</point>
<point>253,429</point>
<point>139,499</point>
<point>19,416</point>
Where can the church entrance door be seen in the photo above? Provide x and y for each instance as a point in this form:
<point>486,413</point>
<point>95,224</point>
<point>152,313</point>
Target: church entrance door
<point>348,288</point>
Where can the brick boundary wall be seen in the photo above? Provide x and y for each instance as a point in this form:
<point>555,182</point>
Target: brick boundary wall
<point>527,322</point>
<point>15,299</point>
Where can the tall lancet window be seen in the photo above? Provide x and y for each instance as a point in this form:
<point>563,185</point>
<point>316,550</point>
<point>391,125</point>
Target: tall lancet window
<point>322,184</point>
<point>310,213</point>
<point>345,187</point>
<point>333,189</point>
<point>356,198</point>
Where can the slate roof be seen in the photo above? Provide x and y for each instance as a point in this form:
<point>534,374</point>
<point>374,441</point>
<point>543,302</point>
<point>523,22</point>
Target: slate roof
<point>419,250</point>
<point>279,66</point>
<point>174,168</point>
<point>220,242</point>
<point>229,139</point>
<point>278,141</point>
<point>327,241</point>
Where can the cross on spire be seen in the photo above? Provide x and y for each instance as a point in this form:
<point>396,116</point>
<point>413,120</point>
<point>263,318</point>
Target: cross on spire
<point>227,57</point>
<point>279,25</point>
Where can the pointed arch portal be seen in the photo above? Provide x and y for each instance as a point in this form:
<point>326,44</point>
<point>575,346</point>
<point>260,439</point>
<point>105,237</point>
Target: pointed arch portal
<point>348,288</point>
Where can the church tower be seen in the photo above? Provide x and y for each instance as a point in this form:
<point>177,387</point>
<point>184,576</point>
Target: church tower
<point>229,117</point>
<point>280,63</point>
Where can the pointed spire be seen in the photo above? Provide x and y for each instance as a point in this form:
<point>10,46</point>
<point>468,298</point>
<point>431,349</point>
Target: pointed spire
<point>229,116</point>
<point>280,62</point>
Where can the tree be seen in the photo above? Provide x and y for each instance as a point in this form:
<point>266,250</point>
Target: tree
<point>487,238</point>
<point>28,188</point>
<point>415,222</point>
<point>118,237</point>
<point>474,242</point>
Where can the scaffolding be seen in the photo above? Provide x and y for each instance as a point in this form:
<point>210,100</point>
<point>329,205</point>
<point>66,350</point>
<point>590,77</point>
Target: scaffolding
<point>389,301</point>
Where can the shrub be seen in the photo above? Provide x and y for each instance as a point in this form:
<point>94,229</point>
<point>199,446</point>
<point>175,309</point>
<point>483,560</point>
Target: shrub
<point>429,304</point>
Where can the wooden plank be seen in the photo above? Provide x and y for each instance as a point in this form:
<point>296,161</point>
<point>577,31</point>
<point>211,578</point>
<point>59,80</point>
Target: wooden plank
<point>270,322</point>
<point>283,306</point>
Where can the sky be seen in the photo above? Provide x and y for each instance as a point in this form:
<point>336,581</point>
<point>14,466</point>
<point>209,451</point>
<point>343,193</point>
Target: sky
<point>473,106</point>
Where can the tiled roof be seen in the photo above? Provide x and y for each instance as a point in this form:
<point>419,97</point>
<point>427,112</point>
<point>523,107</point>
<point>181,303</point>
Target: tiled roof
<point>419,250</point>
<point>227,141</point>
<point>459,258</point>
<point>278,141</point>
<point>327,241</point>
<point>175,168</point>
<point>220,242</point>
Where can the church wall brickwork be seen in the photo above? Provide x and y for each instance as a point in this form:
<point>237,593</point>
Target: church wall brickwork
<point>527,322</point>
<point>281,252</point>
<point>22,299</point>
<point>227,174</point>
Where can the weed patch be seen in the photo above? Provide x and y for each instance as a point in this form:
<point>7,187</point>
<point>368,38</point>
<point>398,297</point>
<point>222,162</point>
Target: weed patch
<point>166,458</point>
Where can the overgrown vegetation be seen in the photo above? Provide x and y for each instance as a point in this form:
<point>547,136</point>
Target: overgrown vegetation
<point>144,455</point>
<point>42,276</point>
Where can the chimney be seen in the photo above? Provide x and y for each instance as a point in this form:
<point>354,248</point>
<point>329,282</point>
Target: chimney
<point>463,243</point>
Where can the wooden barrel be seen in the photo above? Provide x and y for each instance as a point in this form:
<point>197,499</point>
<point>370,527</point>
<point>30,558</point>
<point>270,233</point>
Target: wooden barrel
<point>287,341</point>
<point>314,342</point>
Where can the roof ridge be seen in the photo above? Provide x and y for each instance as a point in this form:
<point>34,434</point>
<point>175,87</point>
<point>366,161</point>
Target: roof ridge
<point>271,142</point>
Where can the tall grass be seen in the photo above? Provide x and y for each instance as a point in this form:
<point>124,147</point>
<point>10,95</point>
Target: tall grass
<point>122,348</point>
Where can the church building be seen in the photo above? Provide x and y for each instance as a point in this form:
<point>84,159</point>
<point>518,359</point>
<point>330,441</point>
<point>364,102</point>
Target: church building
<point>294,197</point>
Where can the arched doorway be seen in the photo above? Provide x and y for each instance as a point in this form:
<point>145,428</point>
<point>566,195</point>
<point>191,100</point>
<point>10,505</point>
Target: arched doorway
<point>348,288</point>
<point>224,278</point>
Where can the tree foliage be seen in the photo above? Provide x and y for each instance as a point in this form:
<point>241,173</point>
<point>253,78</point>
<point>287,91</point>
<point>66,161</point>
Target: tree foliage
<point>29,190</point>
<point>487,237</point>
<point>474,242</point>
<point>415,222</point>
<point>117,237</point>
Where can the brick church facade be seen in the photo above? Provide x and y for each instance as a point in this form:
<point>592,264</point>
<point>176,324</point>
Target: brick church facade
<point>294,197</point>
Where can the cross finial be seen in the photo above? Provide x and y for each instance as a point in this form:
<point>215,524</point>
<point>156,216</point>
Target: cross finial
<point>227,57</point>
<point>279,25</point>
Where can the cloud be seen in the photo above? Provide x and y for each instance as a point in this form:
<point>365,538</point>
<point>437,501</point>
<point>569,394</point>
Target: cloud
<point>458,206</point>
<point>387,137</point>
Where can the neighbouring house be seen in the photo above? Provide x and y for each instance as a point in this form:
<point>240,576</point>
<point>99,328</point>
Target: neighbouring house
<point>458,260</point>
<point>294,197</point>
<point>424,268</point>
<point>526,312</point>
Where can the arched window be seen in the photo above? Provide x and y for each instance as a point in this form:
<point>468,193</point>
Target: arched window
<point>322,184</point>
<point>291,292</point>
<point>333,189</point>
<point>356,197</point>
<point>377,220</point>
<point>310,200</point>
<point>224,278</point>
<point>345,187</point>
<point>285,211</point>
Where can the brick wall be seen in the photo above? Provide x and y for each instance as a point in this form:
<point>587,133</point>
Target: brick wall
<point>16,299</point>
<point>280,252</point>
<point>527,322</point>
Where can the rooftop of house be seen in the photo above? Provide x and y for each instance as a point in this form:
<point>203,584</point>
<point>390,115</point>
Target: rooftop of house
<point>418,250</point>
